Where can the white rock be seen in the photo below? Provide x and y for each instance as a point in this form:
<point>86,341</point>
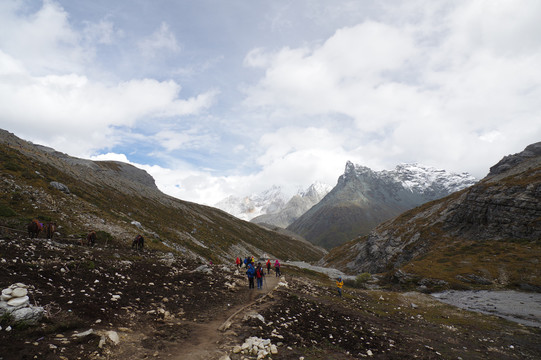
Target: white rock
<point>237,349</point>
<point>5,297</point>
<point>113,336</point>
<point>7,291</point>
<point>369,352</point>
<point>19,292</point>
<point>18,301</point>
<point>273,349</point>
<point>84,333</point>
<point>8,329</point>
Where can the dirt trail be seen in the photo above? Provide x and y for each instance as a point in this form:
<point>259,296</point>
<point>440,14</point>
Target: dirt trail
<point>207,340</point>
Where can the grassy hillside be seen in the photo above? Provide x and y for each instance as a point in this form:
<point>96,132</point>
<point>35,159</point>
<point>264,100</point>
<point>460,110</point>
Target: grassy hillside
<point>102,198</point>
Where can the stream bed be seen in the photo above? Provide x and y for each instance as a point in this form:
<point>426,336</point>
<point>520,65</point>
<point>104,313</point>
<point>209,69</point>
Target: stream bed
<point>520,307</point>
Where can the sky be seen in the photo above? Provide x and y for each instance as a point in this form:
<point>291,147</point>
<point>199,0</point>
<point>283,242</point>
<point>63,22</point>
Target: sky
<point>216,98</point>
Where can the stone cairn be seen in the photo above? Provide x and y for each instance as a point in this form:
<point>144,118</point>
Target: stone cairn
<point>256,347</point>
<point>15,302</point>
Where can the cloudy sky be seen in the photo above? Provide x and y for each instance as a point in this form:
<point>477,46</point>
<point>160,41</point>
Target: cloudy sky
<point>216,98</point>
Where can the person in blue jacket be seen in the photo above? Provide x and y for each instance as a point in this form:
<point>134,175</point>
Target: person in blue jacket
<point>251,274</point>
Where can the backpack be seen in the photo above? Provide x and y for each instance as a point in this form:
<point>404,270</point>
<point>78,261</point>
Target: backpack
<point>259,273</point>
<point>250,272</point>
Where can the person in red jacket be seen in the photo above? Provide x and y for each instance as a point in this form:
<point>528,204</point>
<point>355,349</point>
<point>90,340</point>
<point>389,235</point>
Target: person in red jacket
<point>277,268</point>
<point>259,273</point>
<point>238,262</point>
<point>268,266</point>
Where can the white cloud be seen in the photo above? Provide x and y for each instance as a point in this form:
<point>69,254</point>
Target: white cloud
<point>110,157</point>
<point>86,108</point>
<point>344,75</point>
<point>102,32</point>
<point>431,90</point>
<point>162,40</point>
<point>42,41</point>
<point>453,84</point>
<point>48,97</point>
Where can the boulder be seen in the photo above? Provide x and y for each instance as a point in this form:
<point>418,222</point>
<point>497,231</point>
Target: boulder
<point>59,186</point>
<point>29,315</point>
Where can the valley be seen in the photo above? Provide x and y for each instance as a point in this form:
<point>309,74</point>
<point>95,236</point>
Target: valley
<point>112,302</point>
<point>172,298</point>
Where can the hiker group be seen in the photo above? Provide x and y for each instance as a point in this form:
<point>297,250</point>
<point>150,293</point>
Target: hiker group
<point>257,272</point>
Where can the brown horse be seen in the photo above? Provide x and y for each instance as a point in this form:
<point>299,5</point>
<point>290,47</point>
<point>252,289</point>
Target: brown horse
<point>50,229</point>
<point>138,242</point>
<point>34,228</point>
<point>91,238</point>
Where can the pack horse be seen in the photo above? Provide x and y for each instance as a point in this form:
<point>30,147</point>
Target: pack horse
<point>34,228</point>
<point>138,242</point>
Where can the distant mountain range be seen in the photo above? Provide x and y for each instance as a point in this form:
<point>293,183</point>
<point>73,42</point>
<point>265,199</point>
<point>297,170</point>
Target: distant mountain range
<point>363,198</point>
<point>272,207</point>
<point>295,207</point>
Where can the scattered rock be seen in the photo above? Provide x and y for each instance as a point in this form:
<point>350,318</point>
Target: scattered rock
<point>474,279</point>
<point>59,186</point>
<point>113,336</point>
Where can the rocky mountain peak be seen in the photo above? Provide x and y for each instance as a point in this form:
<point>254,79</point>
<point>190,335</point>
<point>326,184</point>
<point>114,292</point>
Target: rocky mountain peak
<point>316,190</point>
<point>510,161</point>
<point>502,209</point>
<point>363,198</point>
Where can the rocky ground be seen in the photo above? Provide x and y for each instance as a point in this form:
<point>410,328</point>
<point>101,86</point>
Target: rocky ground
<point>117,303</point>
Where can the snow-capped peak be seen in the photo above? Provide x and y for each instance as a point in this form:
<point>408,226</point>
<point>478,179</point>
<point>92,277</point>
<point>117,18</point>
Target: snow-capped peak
<point>420,177</point>
<point>269,201</point>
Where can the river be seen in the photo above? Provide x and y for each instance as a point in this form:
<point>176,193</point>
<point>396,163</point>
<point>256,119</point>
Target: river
<point>520,307</point>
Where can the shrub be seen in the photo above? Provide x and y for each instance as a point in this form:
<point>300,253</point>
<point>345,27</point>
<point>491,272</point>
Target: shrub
<point>103,237</point>
<point>6,211</point>
<point>359,282</point>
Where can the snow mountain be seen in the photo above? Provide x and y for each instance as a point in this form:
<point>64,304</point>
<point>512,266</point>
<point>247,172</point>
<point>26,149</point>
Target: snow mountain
<point>250,206</point>
<point>295,207</point>
<point>272,206</point>
<point>363,198</point>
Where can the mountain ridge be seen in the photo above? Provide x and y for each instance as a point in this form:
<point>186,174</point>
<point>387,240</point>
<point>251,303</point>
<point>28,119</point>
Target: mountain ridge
<point>122,201</point>
<point>487,234</point>
<point>363,198</point>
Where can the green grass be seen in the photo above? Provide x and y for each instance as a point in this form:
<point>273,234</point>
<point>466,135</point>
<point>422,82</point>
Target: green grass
<point>506,263</point>
<point>6,211</point>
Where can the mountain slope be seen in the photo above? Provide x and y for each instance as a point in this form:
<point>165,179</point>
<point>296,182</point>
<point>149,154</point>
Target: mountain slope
<point>363,198</point>
<point>121,201</point>
<point>295,207</point>
<point>488,234</point>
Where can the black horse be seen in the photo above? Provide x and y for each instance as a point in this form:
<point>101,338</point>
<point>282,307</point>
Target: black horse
<point>34,229</point>
<point>138,242</point>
